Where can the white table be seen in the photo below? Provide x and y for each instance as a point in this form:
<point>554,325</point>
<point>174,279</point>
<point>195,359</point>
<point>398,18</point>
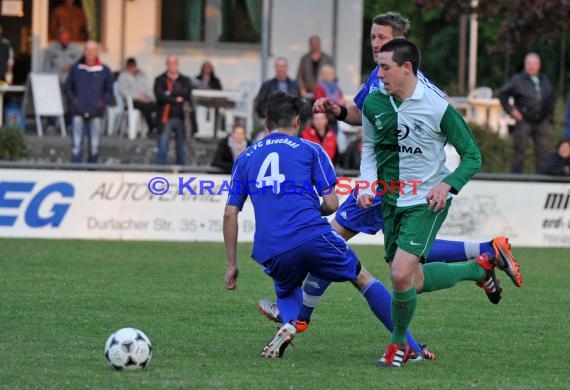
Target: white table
<point>215,99</point>
<point>4,89</point>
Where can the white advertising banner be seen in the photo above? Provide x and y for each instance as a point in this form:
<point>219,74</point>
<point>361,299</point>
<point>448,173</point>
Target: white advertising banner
<point>122,206</point>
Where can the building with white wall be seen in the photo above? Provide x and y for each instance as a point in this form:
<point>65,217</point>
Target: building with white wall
<point>195,30</point>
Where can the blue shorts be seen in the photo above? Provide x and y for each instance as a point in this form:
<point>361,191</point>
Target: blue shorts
<point>352,217</point>
<point>327,256</point>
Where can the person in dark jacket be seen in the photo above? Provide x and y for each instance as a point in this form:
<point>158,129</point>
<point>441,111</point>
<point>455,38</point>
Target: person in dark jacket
<point>353,153</point>
<point>173,93</point>
<point>558,163</point>
<point>230,148</point>
<point>88,89</point>
<point>207,78</point>
<point>281,82</point>
<point>533,111</point>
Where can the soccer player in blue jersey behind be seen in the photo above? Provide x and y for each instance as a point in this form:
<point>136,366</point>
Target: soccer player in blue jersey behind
<point>351,220</point>
<point>284,175</point>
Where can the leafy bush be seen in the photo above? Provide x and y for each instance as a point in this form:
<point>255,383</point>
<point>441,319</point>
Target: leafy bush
<point>496,151</point>
<point>12,144</point>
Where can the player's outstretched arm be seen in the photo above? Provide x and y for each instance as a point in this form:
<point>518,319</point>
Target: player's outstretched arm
<point>353,115</point>
<point>367,164</point>
<point>230,242</point>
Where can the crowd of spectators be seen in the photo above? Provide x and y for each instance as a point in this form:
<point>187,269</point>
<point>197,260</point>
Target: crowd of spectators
<point>166,102</point>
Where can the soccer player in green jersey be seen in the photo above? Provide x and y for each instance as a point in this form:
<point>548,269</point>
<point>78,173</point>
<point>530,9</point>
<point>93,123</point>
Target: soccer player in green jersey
<point>405,131</point>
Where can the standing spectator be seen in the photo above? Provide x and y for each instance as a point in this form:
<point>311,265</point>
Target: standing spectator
<point>353,153</point>
<point>207,78</point>
<point>558,163</point>
<point>230,148</point>
<point>6,58</point>
<point>88,89</point>
<point>281,82</point>
<point>72,17</point>
<point>310,65</point>
<point>173,92</point>
<point>61,55</point>
<point>133,83</point>
<point>321,133</point>
<point>533,111</point>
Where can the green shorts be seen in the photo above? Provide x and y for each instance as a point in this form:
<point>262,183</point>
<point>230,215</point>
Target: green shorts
<point>412,228</point>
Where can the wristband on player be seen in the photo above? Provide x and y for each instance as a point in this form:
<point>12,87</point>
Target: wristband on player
<point>343,113</point>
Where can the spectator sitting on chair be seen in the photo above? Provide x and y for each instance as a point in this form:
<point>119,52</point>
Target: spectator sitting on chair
<point>558,163</point>
<point>207,78</point>
<point>230,148</point>
<point>328,88</point>
<point>88,89</point>
<point>173,92</point>
<point>310,66</point>
<point>321,133</point>
<point>280,82</point>
<point>62,55</point>
<point>353,153</point>
<point>133,83</point>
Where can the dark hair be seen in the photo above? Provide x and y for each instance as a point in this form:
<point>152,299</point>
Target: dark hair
<point>404,51</point>
<point>131,61</point>
<point>281,109</point>
<point>204,64</point>
<point>399,24</point>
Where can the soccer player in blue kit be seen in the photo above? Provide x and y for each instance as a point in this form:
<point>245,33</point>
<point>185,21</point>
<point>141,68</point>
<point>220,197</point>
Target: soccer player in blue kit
<point>351,220</point>
<point>284,175</point>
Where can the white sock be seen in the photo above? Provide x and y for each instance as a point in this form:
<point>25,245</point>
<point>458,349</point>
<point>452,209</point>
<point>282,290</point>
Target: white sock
<point>472,249</point>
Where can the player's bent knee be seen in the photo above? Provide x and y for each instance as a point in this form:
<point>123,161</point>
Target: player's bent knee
<point>400,278</point>
<point>363,278</point>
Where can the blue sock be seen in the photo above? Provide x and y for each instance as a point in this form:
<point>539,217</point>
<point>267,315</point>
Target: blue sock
<point>313,290</point>
<point>290,305</point>
<point>487,247</point>
<point>445,251</point>
<point>380,301</point>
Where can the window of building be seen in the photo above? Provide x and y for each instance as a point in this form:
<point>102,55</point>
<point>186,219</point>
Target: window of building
<point>82,18</point>
<point>211,22</point>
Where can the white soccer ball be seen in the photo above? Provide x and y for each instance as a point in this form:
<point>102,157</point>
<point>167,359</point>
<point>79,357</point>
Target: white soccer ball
<point>128,349</point>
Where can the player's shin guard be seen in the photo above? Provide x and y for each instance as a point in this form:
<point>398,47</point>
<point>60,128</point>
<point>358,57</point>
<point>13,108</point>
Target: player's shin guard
<point>439,276</point>
<point>403,309</point>
<point>380,302</point>
<point>313,290</point>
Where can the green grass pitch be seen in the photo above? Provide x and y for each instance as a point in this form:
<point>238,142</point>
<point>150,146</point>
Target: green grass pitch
<point>60,300</point>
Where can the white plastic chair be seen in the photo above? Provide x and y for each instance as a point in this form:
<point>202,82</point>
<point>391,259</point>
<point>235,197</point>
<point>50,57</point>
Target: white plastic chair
<point>115,113</point>
<point>480,93</point>
<point>244,106</point>
<point>205,121</point>
<point>134,122</point>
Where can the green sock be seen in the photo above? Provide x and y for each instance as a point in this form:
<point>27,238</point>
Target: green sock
<point>403,308</point>
<point>438,276</point>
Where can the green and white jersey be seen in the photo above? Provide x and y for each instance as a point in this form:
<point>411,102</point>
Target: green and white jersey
<point>403,146</point>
